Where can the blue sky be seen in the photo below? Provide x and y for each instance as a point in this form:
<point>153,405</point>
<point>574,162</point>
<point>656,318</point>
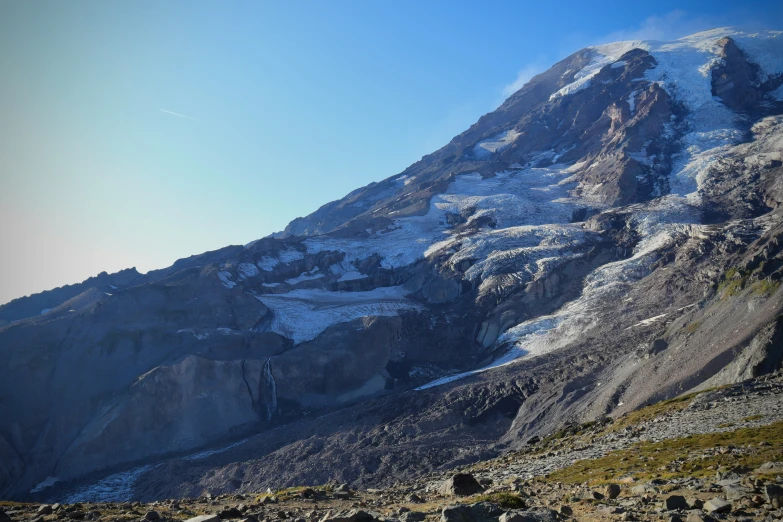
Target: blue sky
<point>136,133</point>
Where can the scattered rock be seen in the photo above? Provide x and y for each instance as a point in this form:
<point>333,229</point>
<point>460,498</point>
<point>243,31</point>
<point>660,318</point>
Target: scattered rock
<point>354,515</point>
<point>770,467</point>
<point>229,513</point>
<point>530,515</point>
<point>413,516</point>
<point>610,510</point>
<point>697,516</point>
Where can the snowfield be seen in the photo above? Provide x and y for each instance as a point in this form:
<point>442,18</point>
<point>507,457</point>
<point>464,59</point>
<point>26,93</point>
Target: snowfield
<point>712,132</point>
<point>303,314</point>
<point>499,142</point>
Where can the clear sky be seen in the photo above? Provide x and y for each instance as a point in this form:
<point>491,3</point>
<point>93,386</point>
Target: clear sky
<point>138,132</point>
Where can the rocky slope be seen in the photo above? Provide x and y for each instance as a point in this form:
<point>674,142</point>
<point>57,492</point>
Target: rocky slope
<point>605,239</point>
<point>701,457</point>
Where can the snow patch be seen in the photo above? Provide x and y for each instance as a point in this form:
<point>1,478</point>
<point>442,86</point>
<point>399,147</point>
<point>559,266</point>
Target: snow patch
<point>268,263</point>
<point>351,276</point>
<point>225,278</point>
<point>648,322</point>
<point>305,276</point>
<point>496,143</point>
<point>303,314</point>
<point>603,55</point>
<point>247,270</point>
<point>198,336</point>
<point>48,482</point>
<point>632,101</point>
<point>114,488</point>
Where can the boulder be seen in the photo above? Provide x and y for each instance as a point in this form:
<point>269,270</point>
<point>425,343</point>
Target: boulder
<point>774,494</point>
<point>736,492</point>
<point>204,518</point>
<point>770,467</point>
<point>461,484</point>
<point>44,510</point>
<point>530,515</point>
<point>480,512</point>
<point>612,491</point>
<point>413,516</point>
<point>673,502</point>
<point>4,516</point>
<point>152,515</point>
<point>717,505</point>
<point>642,489</point>
<point>229,513</point>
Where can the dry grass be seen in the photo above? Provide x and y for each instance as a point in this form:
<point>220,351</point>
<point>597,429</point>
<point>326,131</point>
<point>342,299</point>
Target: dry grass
<point>690,455</point>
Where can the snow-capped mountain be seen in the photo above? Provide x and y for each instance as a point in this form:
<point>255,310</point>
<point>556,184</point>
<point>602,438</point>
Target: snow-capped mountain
<point>606,237</point>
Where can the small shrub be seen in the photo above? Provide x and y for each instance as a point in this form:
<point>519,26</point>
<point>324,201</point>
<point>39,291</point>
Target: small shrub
<point>765,287</point>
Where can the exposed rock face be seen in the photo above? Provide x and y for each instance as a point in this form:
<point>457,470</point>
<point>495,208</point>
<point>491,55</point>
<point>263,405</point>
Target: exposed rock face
<point>607,237</point>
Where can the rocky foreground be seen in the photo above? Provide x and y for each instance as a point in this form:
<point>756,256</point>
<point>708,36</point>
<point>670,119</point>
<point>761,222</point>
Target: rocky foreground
<point>712,455</point>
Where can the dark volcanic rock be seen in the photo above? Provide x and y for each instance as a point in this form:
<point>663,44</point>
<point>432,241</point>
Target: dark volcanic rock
<point>479,512</point>
<point>461,484</point>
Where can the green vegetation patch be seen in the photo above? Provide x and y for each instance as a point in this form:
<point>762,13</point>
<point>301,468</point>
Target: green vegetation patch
<point>737,279</point>
<point>655,410</point>
<point>692,456</point>
<point>765,287</point>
